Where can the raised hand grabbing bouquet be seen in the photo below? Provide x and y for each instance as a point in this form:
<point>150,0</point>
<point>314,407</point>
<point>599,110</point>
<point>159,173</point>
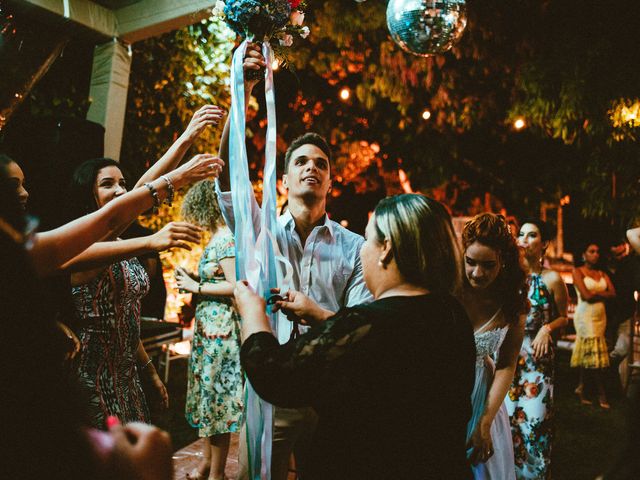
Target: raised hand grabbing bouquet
<point>265,20</point>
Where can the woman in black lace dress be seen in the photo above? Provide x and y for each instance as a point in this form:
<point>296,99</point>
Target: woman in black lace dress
<point>392,380</point>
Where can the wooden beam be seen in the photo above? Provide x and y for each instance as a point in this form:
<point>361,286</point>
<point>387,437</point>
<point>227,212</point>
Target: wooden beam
<point>84,13</point>
<point>149,18</point>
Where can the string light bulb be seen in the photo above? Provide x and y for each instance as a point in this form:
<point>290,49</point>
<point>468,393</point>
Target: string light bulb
<point>426,114</point>
<point>345,94</point>
<point>519,123</point>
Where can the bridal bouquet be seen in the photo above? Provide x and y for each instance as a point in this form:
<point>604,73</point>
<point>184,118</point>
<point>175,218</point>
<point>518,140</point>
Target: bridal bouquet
<point>265,20</point>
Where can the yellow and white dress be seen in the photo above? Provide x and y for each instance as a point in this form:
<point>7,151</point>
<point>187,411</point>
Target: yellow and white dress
<point>590,321</point>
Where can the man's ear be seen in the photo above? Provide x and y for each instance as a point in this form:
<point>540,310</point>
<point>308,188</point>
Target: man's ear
<point>285,183</point>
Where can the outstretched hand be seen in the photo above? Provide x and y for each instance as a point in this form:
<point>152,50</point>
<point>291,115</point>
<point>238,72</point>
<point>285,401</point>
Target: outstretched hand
<point>174,235</point>
<point>204,117</point>
<point>200,167</point>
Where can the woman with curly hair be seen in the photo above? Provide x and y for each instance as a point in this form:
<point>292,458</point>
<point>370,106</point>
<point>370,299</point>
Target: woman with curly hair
<point>214,389</point>
<point>494,297</point>
<point>530,398</point>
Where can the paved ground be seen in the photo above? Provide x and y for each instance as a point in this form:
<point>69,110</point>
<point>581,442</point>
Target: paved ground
<point>586,443</point>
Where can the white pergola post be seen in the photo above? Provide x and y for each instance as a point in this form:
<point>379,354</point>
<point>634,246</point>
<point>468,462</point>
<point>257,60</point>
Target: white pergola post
<point>108,93</point>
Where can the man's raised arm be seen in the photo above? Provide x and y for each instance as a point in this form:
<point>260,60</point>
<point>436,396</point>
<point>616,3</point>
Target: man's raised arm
<point>253,60</point>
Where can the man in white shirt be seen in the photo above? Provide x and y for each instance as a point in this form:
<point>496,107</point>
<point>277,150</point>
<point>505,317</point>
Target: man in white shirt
<point>324,255</point>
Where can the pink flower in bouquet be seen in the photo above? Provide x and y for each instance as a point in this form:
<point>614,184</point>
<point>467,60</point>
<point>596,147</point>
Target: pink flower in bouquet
<point>297,17</point>
<point>286,40</point>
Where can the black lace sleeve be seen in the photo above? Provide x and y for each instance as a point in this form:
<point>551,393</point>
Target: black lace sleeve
<point>293,374</point>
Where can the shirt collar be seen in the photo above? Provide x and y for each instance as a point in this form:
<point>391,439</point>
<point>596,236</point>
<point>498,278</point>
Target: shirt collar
<point>289,223</point>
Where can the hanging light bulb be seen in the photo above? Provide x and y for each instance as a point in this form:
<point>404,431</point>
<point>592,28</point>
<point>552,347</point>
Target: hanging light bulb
<point>519,123</point>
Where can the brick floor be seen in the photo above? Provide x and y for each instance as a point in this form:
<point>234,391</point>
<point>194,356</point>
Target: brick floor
<point>187,458</point>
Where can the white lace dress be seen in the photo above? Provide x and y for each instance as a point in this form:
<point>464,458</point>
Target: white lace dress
<point>501,465</point>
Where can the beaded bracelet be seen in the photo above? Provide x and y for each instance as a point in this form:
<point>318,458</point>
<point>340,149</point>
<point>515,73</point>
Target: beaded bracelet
<point>154,194</point>
<point>170,189</point>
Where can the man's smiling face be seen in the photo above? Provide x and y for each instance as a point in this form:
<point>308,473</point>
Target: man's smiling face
<point>308,174</point>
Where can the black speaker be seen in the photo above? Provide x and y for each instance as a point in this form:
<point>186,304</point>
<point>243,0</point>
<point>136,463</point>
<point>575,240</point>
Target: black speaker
<point>49,150</point>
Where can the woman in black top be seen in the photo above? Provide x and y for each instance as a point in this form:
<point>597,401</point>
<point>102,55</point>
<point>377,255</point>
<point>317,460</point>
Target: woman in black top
<point>391,381</point>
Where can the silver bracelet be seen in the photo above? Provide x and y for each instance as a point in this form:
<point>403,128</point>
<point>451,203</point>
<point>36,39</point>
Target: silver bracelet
<point>170,190</point>
<point>154,195</point>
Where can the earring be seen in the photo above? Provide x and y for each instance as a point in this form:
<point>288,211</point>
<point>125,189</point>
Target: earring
<point>381,263</point>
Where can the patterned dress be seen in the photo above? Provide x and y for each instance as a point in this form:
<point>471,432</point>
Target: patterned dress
<point>590,320</point>
<point>530,399</point>
<point>214,386</point>
<point>108,308</point>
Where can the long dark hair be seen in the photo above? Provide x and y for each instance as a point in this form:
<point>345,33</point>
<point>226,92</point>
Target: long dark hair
<point>493,231</point>
<point>81,194</point>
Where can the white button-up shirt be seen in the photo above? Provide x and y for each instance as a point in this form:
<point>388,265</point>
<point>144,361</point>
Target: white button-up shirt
<point>326,268</point>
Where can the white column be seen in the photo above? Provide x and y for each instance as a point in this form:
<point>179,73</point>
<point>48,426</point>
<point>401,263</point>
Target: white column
<point>108,92</point>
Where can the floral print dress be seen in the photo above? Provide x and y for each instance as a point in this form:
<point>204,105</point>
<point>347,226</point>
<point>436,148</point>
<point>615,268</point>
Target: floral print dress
<point>214,386</point>
<point>530,399</point>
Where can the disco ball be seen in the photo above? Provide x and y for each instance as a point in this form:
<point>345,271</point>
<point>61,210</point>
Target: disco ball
<point>426,27</point>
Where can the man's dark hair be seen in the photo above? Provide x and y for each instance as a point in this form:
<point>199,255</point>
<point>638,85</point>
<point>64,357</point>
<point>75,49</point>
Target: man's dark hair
<point>309,138</point>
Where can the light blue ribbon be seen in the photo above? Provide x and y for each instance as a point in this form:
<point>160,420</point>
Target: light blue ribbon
<point>256,252</point>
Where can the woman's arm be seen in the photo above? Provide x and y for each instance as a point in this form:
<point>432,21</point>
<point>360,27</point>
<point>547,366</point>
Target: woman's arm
<point>505,369</point>
<point>578,282</point>
<point>205,116</point>
<point>558,288</point>
<point>633,235</point>
<point>218,289</point>
<point>54,248</point>
<point>297,306</point>
<point>294,374</point>
<point>588,295</point>
<point>147,369</point>
<point>173,235</point>
<point>543,340</point>
<point>253,61</point>
<point>610,292</point>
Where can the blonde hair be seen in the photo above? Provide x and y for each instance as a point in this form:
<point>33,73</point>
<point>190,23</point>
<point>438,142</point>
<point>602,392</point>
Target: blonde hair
<point>422,239</point>
<point>200,205</point>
